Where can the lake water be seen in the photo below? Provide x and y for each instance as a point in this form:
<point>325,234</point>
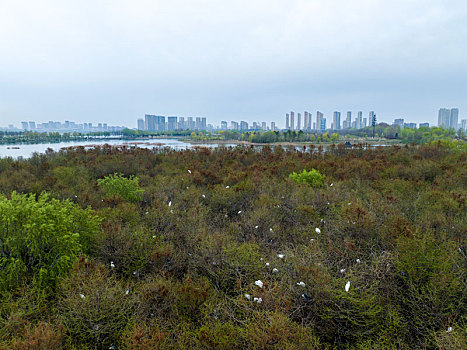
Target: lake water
<point>26,150</point>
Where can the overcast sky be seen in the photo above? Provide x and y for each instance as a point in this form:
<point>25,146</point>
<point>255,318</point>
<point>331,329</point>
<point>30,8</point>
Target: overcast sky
<point>113,61</point>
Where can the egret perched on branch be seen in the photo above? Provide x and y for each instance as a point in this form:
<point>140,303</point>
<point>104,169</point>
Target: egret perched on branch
<point>347,286</point>
<point>259,283</point>
<point>301,284</point>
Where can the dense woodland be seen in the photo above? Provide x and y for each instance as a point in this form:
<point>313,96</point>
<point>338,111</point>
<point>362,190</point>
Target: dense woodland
<point>235,248</point>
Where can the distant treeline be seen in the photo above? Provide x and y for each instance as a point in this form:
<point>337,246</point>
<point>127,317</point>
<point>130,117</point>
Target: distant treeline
<point>382,131</point>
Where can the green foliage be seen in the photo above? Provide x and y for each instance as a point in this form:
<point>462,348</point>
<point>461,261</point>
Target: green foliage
<point>392,223</point>
<point>40,238</point>
<point>313,178</point>
<point>94,307</point>
<point>118,185</point>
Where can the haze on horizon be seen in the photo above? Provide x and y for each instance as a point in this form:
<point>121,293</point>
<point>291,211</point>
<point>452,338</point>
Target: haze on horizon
<point>114,61</point>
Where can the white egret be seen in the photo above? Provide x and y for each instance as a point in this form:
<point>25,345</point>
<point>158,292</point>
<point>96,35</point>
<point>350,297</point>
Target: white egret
<point>189,171</point>
<point>258,300</point>
<point>301,284</point>
<point>112,265</point>
<point>267,264</point>
<point>280,256</point>
<point>359,261</point>
<point>259,283</point>
<point>82,296</point>
<point>127,292</point>
<point>317,230</point>
<point>248,296</point>
<point>275,270</point>
<point>347,286</point>
<point>342,270</point>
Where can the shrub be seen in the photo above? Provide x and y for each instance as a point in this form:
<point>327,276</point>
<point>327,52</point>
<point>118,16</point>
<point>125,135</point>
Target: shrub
<point>118,185</point>
<point>40,239</point>
<point>94,307</point>
<point>313,177</point>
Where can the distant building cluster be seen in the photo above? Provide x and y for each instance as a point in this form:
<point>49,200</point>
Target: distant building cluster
<point>243,125</point>
<point>320,123</point>
<point>448,118</point>
<point>158,123</point>
<point>67,126</point>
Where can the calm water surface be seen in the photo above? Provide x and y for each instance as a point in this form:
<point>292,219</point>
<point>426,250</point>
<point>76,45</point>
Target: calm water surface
<point>26,150</point>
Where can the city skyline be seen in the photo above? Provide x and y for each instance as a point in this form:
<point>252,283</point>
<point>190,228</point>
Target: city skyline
<point>244,60</point>
<point>447,118</point>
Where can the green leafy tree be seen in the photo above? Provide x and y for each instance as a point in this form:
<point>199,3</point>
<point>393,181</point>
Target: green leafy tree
<point>40,239</point>
<point>313,177</point>
<point>118,185</point>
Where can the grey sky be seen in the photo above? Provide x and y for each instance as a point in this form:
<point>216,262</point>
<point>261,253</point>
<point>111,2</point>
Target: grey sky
<point>113,61</point>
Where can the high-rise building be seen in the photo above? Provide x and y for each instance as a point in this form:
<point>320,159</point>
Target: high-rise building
<point>171,123</point>
<point>454,118</point>
<point>203,123</point>
<point>464,124</point>
<point>310,124</point>
<point>336,120</point>
<point>348,120</point>
<point>323,124</point>
<point>243,125</point>
<point>399,122</point>
<point>234,125</point>
<point>190,124</point>
<point>319,118</point>
<point>363,124</point>
<point>140,124</point>
<point>371,118</point>
<point>263,125</point>
<point>424,125</point>
<point>292,121</point>
<point>299,121</point>
<point>359,120</point>
<point>273,126</point>
<point>181,123</point>
<point>198,123</point>
<point>287,121</point>
<point>32,126</point>
<point>223,125</point>
<point>444,118</point>
<point>24,125</point>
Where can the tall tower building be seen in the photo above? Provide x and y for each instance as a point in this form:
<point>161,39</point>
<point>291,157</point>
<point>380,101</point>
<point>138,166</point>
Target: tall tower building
<point>453,120</point>
<point>181,123</point>
<point>292,121</point>
<point>358,124</point>
<point>305,120</point>
<point>273,126</point>
<point>299,121</point>
<point>140,124</point>
<point>336,120</point>
<point>444,117</point>
<point>310,126</point>
<point>171,123</point>
<point>287,121</point>
<point>348,120</point>
<point>319,118</point>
